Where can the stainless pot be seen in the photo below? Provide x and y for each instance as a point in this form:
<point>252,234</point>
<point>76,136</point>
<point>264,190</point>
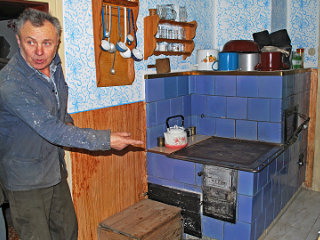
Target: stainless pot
<point>247,61</point>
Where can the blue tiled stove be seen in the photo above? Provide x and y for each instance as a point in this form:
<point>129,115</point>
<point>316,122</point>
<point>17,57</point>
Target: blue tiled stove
<point>234,105</point>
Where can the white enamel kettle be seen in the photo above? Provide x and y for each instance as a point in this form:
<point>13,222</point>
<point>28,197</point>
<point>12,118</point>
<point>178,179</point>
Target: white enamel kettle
<point>175,137</point>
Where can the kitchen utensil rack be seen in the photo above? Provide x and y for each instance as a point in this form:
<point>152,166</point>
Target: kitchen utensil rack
<point>151,24</point>
<point>124,68</point>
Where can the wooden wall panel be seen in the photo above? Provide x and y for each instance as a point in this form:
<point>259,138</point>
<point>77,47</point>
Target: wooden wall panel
<point>312,127</point>
<point>104,183</point>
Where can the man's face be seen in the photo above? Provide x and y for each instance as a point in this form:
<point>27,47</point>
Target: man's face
<point>38,45</point>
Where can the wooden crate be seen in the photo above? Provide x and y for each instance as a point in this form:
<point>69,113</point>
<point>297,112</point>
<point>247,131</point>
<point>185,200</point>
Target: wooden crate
<point>145,220</point>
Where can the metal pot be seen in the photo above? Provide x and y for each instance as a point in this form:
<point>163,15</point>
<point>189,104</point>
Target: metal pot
<point>175,137</point>
<point>248,61</point>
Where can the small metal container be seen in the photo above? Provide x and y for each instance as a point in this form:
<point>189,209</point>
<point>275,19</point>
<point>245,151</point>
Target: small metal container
<point>248,61</point>
<point>160,142</point>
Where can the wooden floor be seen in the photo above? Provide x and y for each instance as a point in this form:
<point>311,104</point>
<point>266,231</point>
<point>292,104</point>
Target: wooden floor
<point>301,221</point>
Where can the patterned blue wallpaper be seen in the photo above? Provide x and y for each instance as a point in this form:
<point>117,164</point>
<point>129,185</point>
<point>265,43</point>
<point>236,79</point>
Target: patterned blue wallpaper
<point>218,22</point>
<point>278,15</point>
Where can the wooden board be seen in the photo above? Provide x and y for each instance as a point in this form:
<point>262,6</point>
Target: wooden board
<point>311,127</point>
<point>147,219</point>
<point>124,68</point>
<point>104,183</point>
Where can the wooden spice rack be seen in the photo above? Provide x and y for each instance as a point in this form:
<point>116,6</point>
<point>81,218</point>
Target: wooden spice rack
<point>151,24</point>
<point>124,68</point>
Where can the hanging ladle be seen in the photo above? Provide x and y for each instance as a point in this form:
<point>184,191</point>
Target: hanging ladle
<point>136,54</point>
<point>107,35</point>
<point>105,45</point>
<point>112,71</point>
<point>112,46</point>
<point>127,53</point>
<point>120,46</point>
<point>129,37</point>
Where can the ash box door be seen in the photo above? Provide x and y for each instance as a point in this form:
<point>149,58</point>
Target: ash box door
<point>219,189</point>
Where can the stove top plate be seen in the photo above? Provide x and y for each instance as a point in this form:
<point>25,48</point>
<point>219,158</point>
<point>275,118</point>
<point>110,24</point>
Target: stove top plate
<point>237,154</point>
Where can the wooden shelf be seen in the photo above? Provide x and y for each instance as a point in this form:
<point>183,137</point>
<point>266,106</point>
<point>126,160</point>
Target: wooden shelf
<point>151,24</point>
<point>173,40</point>
<point>122,3</point>
<point>157,53</point>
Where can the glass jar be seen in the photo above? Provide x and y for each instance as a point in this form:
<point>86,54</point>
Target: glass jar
<point>300,51</point>
<point>296,61</point>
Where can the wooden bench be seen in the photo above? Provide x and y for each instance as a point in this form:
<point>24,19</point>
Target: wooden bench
<point>145,220</point>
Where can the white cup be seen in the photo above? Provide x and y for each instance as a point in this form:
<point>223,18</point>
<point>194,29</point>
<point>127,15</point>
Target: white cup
<point>207,59</point>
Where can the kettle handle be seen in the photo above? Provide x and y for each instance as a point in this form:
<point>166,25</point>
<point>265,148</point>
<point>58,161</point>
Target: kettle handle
<point>175,116</point>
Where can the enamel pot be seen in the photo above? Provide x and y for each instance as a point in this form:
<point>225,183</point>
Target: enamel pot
<point>176,136</point>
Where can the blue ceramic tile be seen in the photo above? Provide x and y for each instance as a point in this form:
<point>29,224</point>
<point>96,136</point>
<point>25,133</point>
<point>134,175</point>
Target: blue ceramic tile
<point>206,126</point>
<point>170,87</point>
<point>163,111</point>
<point>225,128</point>
<point>198,104</point>
<point>269,132</point>
<point>236,107</point>
<point>258,109</point>
<point>236,231</point>
<point>205,84</point>
<point>151,161</point>
<point>247,184</point>
<point>262,178</point>
<point>151,114</point>
<point>257,204</point>
<point>217,106</point>
<point>259,226</point>
<point>184,171</point>
<point>246,130</point>
<point>277,205</point>
<point>226,86</point>
<point>164,167</point>
<point>186,100</point>
<point>270,86</point>
<point>154,89</point>
<point>269,210</point>
<point>212,228</point>
<point>199,169</point>
<point>165,182</point>
<point>247,86</point>
<point>272,168</point>
<point>280,162</point>
<point>176,106</point>
<point>275,110</point>
<point>153,133</point>
<point>183,85</point>
<point>192,84</point>
<point>244,208</point>
<point>192,188</point>
<point>267,194</point>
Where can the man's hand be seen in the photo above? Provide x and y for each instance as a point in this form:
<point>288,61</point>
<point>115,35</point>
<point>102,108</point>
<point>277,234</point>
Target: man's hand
<point>120,140</point>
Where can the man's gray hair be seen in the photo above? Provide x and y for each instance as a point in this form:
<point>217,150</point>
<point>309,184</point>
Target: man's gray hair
<point>37,19</point>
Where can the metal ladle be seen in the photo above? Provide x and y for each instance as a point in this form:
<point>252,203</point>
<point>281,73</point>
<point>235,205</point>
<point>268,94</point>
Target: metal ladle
<point>130,38</point>
<point>107,35</point>
<point>112,48</point>
<point>112,71</point>
<point>105,45</point>
<point>120,46</point>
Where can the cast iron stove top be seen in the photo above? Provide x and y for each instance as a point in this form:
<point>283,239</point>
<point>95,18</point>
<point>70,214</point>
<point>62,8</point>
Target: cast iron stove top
<point>236,154</point>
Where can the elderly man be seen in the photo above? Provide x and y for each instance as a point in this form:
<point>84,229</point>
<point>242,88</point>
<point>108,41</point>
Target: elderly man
<point>34,128</point>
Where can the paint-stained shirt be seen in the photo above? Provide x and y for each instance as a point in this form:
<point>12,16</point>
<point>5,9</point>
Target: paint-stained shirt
<point>33,113</point>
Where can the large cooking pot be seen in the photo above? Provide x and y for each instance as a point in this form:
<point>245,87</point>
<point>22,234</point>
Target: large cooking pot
<point>248,61</point>
<point>241,46</point>
<point>176,136</point>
